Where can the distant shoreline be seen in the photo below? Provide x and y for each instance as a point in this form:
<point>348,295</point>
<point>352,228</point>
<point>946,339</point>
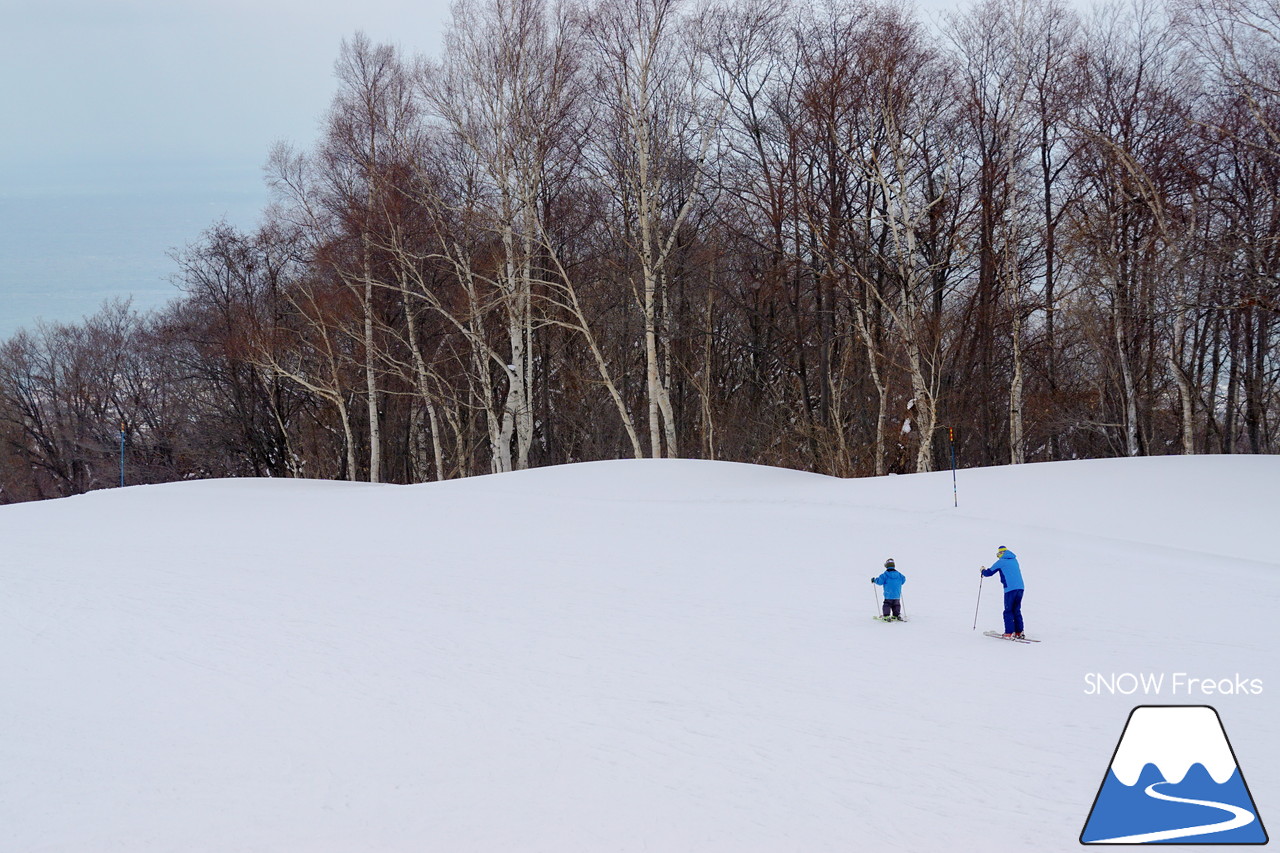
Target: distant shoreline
<point>64,250</point>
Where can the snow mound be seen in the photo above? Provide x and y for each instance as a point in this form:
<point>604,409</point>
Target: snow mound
<point>639,655</point>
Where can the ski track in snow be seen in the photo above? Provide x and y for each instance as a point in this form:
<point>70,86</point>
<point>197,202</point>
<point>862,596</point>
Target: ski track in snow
<point>1239,817</point>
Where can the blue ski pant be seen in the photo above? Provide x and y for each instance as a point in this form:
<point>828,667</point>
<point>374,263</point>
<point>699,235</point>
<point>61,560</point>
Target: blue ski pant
<point>891,607</point>
<point>1013,611</point>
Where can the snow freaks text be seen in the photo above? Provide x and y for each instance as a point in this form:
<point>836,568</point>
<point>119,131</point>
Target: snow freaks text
<point>1171,684</point>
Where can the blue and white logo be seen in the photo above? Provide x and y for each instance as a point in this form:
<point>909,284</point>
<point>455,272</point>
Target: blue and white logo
<point>1174,779</point>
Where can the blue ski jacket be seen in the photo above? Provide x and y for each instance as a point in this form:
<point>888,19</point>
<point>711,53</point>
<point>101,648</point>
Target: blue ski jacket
<point>892,581</point>
<point>1009,570</point>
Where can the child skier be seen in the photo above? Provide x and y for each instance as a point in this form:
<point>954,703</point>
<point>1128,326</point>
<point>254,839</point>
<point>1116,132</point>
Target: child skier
<point>1010,572</point>
<point>892,580</point>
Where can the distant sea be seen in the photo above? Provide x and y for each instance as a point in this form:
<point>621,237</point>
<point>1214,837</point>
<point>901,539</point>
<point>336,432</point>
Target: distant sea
<point>72,237</point>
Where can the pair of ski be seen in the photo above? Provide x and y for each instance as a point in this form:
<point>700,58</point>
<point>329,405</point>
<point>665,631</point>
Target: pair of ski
<point>1000,636</point>
<point>995,634</point>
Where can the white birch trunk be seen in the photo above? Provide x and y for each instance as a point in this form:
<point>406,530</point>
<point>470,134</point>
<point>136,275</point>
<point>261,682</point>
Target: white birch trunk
<point>1185,393</point>
<point>863,327</point>
<point>569,301</point>
<point>1017,443</point>
<point>1129,386</point>
<point>425,399</point>
<point>437,446</point>
<point>371,388</point>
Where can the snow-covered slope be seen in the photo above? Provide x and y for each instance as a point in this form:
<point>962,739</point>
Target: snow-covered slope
<point>624,656</point>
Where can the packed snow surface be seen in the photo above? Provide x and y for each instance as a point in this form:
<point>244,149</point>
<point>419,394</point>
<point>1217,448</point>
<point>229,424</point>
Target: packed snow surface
<point>621,656</point>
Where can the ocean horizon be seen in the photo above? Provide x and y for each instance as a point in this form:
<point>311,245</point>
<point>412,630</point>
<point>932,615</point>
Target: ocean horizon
<point>74,237</point>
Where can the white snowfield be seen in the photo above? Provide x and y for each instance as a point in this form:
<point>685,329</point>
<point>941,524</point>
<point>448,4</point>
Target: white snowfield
<point>622,656</point>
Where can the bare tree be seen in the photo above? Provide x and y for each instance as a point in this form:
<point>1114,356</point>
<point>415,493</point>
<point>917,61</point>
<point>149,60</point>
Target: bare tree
<point>371,111</point>
<point>1240,40</point>
<point>1134,122</point>
<point>233,285</point>
<point>913,175</point>
<point>660,131</point>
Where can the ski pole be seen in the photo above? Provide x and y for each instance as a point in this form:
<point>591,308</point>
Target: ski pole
<point>875,593</point>
<point>975,607</point>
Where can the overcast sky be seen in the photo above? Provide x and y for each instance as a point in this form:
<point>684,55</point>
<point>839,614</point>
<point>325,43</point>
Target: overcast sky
<point>127,127</point>
<point>85,82</point>
<point>99,82</point>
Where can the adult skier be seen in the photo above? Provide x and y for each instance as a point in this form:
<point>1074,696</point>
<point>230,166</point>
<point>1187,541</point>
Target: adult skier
<point>892,580</point>
<point>1006,565</point>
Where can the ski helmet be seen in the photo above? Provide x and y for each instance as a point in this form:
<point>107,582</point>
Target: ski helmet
<point>1000,551</point>
<point>888,564</point>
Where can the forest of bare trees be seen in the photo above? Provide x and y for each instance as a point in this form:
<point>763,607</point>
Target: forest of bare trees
<point>826,237</point>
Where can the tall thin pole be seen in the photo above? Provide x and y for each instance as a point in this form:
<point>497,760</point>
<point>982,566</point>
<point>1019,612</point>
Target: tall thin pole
<point>975,607</point>
<point>951,439</point>
<point>122,454</point>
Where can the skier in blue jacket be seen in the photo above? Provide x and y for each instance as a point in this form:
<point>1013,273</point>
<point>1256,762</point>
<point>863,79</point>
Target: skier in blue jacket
<point>1006,565</point>
<point>892,580</point>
